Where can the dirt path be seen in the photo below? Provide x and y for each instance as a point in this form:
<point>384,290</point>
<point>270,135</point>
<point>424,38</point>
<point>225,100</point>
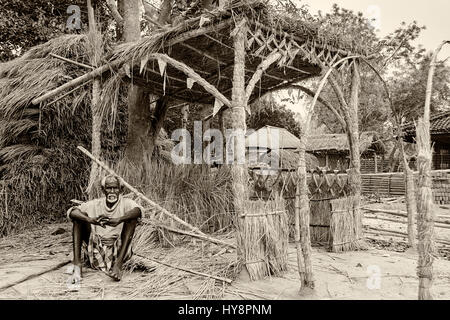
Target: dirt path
<point>345,276</point>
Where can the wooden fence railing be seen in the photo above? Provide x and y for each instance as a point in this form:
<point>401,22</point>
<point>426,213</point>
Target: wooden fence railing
<point>392,184</point>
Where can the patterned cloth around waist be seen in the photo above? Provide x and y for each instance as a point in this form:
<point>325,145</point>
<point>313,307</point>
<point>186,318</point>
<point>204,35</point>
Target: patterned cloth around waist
<point>101,253</point>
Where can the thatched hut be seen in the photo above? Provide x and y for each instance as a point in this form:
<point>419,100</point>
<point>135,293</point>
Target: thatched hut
<point>333,152</point>
<point>440,137</point>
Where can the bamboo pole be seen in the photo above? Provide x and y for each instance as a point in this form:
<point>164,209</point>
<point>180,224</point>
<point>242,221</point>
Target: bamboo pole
<point>194,235</point>
<point>404,234</point>
<point>119,62</point>
<point>303,213</point>
<point>399,213</point>
<point>442,226</point>
<point>410,193</point>
<point>425,224</point>
<point>226,280</point>
<point>35,275</point>
<point>300,259</point>
<point>400,235</point>
<point>140,195</point>
<point>79,64</point>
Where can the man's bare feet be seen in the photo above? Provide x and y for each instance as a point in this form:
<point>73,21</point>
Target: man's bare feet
<point>116,272</point>
<point>74,280</point>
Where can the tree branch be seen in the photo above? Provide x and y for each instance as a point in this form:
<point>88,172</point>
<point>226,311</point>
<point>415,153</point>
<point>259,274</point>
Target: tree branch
<point>263,66</point>
<point>115,12</point>
<point>323,102</point>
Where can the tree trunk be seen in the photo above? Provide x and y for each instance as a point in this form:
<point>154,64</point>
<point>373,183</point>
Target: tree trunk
<point>158,117</point>
<point>95,46</point>
<point>139,109</point>
<point>355,158</point>
<point>234,118</point>
<point>185,113</point>
<point>165,10</point>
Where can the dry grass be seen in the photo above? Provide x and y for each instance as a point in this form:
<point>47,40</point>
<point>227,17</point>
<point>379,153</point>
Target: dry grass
<point>263,238</point>
<point>342,225</point>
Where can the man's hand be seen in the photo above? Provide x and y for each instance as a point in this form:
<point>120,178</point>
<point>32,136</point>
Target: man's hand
<point>113,222</point>
<point>100,221</point>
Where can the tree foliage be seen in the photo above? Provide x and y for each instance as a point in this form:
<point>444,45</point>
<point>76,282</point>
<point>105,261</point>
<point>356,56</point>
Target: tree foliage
<point>269,112</point>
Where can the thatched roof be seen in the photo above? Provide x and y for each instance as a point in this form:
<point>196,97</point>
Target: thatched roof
<point>263,138</point>
<point>204,44</point>
<point>439,124</point>
<point>338,143</point>
<point>288,160</point>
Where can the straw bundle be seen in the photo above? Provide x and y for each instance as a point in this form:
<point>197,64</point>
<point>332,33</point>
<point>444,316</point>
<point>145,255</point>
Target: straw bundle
<point>264,238</point>
<point>341,225</point>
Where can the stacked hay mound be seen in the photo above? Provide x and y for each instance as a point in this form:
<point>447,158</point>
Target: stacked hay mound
<point>264,238</point>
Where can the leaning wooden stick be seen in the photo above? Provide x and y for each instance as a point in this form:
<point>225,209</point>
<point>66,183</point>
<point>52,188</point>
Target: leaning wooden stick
<point>188,270</point>
<point>34,275</point>
<point>139,194</point>
<point>210,239</point>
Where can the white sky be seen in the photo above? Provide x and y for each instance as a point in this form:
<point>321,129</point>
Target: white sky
<point>434,14</point>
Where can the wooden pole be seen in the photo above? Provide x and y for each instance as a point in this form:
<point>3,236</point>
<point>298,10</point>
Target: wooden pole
<point>79,64</point>
<point>300,259</point>
<point>410,193</point>
<point>119,62</point>
<point>140,195</point>
<point>226,280</point>
<point>234,119</point>
<point>425,223</point>
<point>194,235</point>
<point>302,213</point>
<point>35,275</point>
<point>375,161</point>
<point>355,159</point>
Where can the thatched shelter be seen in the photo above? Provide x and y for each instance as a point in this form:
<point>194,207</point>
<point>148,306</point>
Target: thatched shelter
<point>440,137</point>
<point>224,58</point>
<point>333,151</point>
<point>259,144</point>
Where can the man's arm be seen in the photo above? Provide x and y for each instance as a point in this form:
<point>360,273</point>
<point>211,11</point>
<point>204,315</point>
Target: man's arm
<point>132,214</point>
<point>78,215</point>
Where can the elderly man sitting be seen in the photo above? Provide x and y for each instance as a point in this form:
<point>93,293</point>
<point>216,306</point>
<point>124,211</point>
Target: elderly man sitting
<point>104,229</point>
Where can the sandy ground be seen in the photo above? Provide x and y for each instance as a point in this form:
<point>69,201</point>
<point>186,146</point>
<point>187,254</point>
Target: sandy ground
<point>384,272</point>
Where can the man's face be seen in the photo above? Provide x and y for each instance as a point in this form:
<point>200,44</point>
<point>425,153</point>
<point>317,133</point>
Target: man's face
<point>112,190</point>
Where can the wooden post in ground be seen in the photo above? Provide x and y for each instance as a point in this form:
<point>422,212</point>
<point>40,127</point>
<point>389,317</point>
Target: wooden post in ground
<point>375,161</point>
<point>426,216</point>
<point>410,192</point>
<point>355,159</point>
<point>302,217</point>
<point>234,119</point>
